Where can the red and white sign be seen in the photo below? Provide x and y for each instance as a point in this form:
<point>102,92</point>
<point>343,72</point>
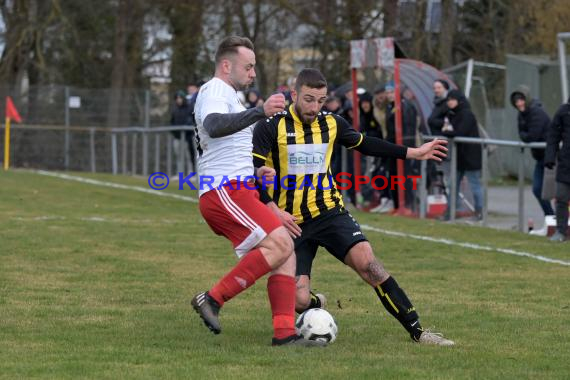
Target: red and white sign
<point>375,52</point>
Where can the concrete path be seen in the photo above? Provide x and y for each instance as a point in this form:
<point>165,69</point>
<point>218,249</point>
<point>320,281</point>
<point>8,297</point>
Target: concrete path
<point>503,208</point>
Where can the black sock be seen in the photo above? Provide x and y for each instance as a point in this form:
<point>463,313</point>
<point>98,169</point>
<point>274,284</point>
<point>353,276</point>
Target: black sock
<point>398,304</point>
<point>315,302</point>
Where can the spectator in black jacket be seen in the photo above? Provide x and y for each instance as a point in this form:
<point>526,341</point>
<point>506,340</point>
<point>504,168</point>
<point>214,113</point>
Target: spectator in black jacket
<point>191,96</point>
<point>371,127</point>
<point>439,112</point>
<point>368,123</point>
<point>533,126</point>
<point>462,123</point>
<point>559,131</point>
<point>409,118</point>
<point>409,138</point>
<point>182,115</point>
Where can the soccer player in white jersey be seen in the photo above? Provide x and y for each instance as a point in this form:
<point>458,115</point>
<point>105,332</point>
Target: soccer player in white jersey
<point>231,205</point>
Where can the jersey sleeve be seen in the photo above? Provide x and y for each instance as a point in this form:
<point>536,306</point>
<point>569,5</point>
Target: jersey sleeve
<point>264,137</point>
<point>346,135</point>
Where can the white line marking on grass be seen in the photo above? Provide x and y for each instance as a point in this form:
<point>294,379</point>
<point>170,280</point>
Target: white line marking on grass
<point>117,186</point>
<point>96,219</point>
<point>39,218</point>
<point>364,226</point>
<point>93,219</point>
<point>466,245</point>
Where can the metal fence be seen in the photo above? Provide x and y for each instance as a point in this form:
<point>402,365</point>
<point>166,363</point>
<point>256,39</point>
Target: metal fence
<point>485,143</point>
<point>156,150</point>
<point>132,151</point>
<point>70,128</point>
<point>90,107</point>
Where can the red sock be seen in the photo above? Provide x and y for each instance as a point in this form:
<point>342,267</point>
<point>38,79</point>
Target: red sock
<point>281,290</point>
<point>251,267</point>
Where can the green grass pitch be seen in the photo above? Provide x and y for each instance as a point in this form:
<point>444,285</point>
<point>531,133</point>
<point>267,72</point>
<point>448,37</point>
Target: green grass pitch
<point>95,282</point>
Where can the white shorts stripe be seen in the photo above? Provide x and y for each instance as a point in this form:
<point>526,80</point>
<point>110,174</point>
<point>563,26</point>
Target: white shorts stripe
<point>238,209</point>
<point>231,208</point>
<point>233,212</point>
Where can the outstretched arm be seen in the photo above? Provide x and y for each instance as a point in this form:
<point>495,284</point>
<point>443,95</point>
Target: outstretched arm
<point>372,146</point>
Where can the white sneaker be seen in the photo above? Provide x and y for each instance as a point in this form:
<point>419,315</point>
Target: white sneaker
<point>379,207</point>
<point>542,232</point>
<point>433,338</point>
<point>386,205</point>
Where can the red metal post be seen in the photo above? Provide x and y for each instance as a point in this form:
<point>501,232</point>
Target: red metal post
<point>356,126</point>
<point>402,210</point>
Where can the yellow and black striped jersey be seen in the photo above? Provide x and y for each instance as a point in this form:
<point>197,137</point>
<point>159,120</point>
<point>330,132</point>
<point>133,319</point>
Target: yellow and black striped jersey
<point>301,155</point>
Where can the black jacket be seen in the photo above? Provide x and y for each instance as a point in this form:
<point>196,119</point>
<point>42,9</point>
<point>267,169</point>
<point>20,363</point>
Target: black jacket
<point>409,123</point>
<point>191,106</point>
<point>369,125</point>
<point>558,131</point>
<point>181,115</point>
<point>533,122</point>
<point>465,125</point>
<point>435,120</point>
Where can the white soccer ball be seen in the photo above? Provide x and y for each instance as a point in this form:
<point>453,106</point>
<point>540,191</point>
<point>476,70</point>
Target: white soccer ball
<point>318,325</point>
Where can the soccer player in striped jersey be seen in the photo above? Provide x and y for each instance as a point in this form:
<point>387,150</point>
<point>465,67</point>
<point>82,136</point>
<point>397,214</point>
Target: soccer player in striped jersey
<point>298,144</point>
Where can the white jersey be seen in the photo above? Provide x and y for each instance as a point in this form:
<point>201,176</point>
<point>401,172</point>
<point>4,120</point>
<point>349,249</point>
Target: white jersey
<point>223,158</point>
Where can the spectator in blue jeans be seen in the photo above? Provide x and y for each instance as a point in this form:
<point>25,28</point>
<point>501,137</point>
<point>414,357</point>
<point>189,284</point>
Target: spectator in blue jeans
<point>533,123</point>
<point>461,122</point>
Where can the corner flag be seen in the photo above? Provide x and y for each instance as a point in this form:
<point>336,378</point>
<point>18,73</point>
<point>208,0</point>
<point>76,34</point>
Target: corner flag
<point>11,113</point>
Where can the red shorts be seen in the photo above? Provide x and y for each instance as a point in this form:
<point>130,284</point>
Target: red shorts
<point>239,215</point>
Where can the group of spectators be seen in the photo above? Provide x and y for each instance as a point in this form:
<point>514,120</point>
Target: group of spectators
<point>377,118</point>
<point>451,116</point>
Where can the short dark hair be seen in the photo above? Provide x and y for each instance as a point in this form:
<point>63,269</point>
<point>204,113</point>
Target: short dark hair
<point>311,78</point>
<point>443,82</point>
<point>331,99</point>
<point>230,45</point>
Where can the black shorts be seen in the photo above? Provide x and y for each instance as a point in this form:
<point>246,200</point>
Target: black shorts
<point>335,230</point>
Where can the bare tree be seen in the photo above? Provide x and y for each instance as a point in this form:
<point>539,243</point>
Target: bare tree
<point>127,58</point>
<point>186,27</point>
<point>26,23</point>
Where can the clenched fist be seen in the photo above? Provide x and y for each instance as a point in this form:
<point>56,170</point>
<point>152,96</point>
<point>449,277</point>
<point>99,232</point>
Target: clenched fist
<point>274,104</point>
